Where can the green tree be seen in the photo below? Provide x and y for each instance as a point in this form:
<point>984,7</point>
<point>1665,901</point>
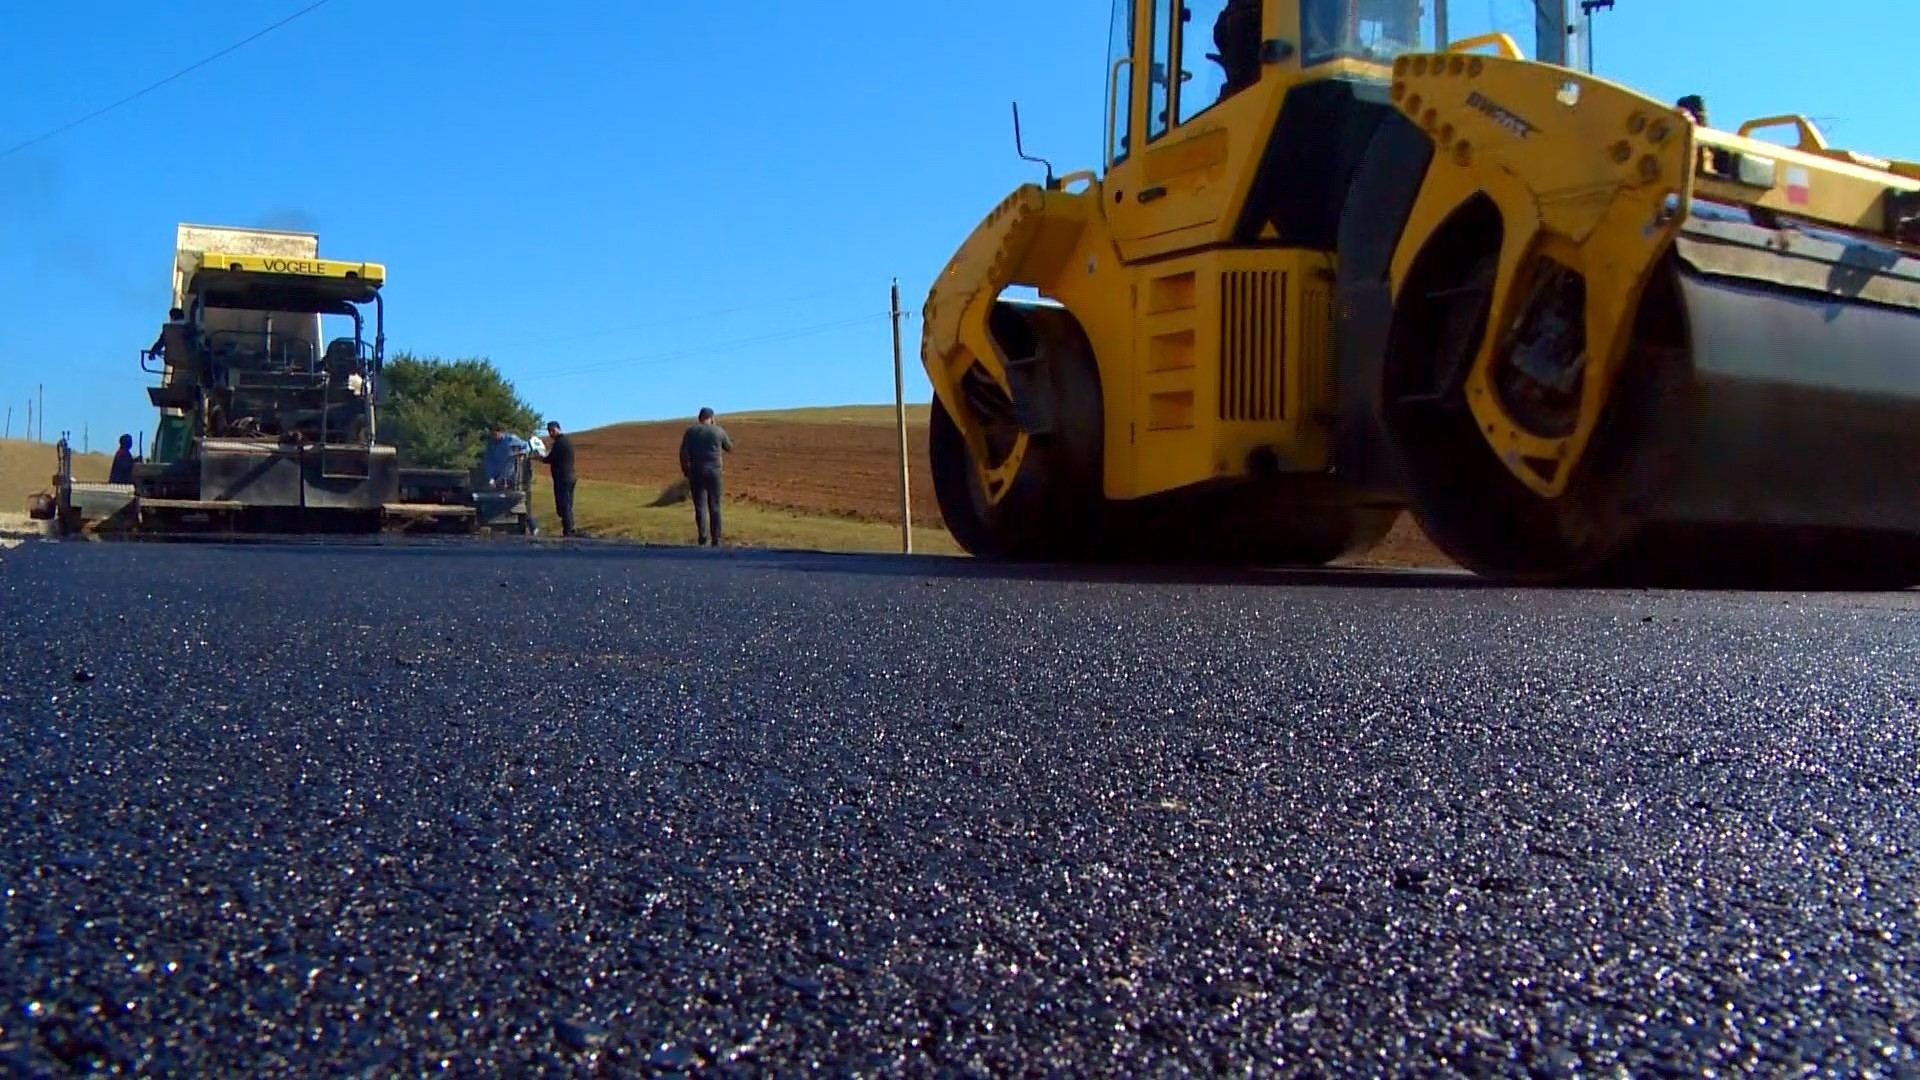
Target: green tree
<point>438,411</point>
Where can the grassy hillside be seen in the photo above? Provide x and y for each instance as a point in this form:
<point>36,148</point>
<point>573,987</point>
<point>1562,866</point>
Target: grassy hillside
<point>663,515</point>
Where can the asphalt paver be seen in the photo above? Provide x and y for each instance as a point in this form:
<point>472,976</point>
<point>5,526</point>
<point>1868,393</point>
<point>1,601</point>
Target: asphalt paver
<point>496,809</point>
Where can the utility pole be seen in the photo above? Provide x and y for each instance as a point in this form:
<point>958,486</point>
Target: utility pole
<point>1587,8</point>
<point>29,419</point>
<point>9,433</point>
<point>900,419</point>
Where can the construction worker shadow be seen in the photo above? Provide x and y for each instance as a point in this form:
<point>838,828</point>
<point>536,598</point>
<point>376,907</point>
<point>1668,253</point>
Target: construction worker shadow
<point>957,568</point>
<point>854,564</point>
<point>960,568</point>
<point>512,555</point>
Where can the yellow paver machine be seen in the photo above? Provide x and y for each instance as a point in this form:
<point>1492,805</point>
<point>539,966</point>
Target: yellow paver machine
<point>1330,272</point>
<point>266,426</point>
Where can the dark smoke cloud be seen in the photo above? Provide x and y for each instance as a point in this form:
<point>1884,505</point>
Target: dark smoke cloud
<point>289,218</point>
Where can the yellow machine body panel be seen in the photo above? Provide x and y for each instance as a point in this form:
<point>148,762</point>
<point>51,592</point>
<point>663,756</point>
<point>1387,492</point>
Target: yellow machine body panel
<point>1543,310</point>
<point>1808,180</point>
<point>1232,356</point>
<point>1209,353</point>
<point>1176,194</point>
<point>296,283</point>
<point>373,274</point>
<point>1205,359</point>
<point>1031,237</point>
<point>1585,176</point>
<point>1595,178</point>
<point>1184,190</point>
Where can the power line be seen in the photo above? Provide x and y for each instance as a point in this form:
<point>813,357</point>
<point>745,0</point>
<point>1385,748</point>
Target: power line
<point>679,320</point>
<point>708,350</point>
<point>149,89</point>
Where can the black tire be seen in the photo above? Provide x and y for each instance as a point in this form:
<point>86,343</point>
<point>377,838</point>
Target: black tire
<point>1462,495</point>
<point>963,505</point>
<point>1034,520</point>
<point>1053,507</point>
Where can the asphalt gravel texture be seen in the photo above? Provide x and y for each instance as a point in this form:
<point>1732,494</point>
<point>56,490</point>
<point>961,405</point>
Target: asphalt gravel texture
<point>500,809</point>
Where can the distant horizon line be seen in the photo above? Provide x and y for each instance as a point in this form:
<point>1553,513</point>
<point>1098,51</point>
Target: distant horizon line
<point>781,410</point>
<point>743,413</point>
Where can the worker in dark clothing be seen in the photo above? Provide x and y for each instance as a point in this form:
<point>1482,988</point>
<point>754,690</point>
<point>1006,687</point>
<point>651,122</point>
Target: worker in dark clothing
<point>176,319</point>
<point>559,458</point>
<point>1712,158</point>
<point>1236,37</point>
<point>123,462</point>
<point>701,449</point>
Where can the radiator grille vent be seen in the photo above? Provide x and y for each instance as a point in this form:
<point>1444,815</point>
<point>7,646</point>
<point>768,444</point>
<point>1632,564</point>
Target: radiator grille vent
<point>1316,344</point>
<point>1253,345</point>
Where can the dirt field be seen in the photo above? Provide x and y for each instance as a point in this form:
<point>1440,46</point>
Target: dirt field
<point>838,468</point>
<point>837,462</point>
<point>27,468</point>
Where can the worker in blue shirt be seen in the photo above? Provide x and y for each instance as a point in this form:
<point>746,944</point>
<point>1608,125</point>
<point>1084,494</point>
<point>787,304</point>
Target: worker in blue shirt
<point>502,460</point>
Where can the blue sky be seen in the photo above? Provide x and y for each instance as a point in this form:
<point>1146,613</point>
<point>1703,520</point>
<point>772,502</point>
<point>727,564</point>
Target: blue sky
<point>635,208</point>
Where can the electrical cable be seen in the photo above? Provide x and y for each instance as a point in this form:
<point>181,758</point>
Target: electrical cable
<point>679,320</point>
<point>707,350</point>
<point>149,89</point>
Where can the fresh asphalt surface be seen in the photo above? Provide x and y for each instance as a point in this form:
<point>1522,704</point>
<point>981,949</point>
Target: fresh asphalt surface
<point>313,810</point>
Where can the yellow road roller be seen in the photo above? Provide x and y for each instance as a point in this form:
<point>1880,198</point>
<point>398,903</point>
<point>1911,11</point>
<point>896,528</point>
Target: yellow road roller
<point>1330,272</point>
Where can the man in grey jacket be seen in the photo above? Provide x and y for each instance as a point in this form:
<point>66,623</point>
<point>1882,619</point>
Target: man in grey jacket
<point>701,449</point>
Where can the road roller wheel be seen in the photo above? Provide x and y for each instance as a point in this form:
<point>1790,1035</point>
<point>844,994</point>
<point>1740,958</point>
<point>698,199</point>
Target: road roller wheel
<point>1459,491</point>
<point>1051,507</point>
<point>956,486</point>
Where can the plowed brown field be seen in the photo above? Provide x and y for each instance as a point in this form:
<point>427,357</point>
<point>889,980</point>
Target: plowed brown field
<point>837,469</point>
<point>836,463</point>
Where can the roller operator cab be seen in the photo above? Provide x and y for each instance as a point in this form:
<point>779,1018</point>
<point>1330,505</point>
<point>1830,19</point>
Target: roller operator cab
<point>1328,272</point>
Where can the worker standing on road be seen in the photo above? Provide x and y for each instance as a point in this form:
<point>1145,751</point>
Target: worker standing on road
<point>700,453</point>
<point>503,457</point>
<point>123,462</point>
<point>559,458</point>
